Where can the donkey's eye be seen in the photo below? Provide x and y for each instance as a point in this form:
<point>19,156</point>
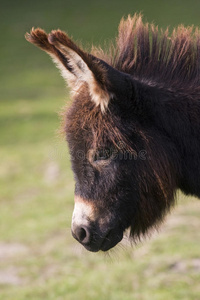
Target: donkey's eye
<point>102,154</point>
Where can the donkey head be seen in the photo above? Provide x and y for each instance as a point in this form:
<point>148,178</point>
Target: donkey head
<point>122,180</point>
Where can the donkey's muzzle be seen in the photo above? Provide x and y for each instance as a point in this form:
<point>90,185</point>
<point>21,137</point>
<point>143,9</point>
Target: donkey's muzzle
<point>94,240</point>
<point>95,232</point>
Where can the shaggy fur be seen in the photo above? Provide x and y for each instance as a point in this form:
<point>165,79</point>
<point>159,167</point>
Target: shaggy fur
<point>150,123</point>
<point>154,56</point>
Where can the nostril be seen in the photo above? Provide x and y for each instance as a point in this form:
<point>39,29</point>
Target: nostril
<point>82,234</point>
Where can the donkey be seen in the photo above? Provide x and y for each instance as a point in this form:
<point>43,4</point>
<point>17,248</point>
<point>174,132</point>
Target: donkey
<point>133,127</point>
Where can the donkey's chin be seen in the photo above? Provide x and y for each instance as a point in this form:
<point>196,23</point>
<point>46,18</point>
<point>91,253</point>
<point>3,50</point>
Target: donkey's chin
<point>111,241</point>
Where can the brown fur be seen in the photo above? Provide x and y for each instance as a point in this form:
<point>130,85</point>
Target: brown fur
<point>154,56</point>
<point>65,52</point>
<point>151,56</point>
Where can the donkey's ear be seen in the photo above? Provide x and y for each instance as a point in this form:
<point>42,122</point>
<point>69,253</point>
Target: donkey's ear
<point>39,38</point>
<point>77,67</point>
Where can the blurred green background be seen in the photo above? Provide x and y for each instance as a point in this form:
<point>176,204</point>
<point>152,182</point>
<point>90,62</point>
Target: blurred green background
<point>38,257</point>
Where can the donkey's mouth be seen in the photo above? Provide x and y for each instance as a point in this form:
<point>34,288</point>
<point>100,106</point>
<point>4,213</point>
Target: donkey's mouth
<point>110,240</point>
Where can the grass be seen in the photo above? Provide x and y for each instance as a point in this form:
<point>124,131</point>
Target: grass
<point>38,257</point>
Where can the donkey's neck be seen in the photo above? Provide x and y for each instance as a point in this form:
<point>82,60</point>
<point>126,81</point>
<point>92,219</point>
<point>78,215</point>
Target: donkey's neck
<point>178,118</point>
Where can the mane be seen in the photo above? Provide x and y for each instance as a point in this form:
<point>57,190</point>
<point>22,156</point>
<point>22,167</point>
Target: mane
<point>154,56</point>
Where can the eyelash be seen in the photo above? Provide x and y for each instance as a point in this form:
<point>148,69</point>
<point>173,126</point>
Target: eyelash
<point>102,154</point>
<point>100,157</point>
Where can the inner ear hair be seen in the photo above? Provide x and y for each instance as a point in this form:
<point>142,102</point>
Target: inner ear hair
<point>81,58</point>
<point>76,65</point>
<point>86,67</point>
<point>56,38</point>
<point>39,38</point>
